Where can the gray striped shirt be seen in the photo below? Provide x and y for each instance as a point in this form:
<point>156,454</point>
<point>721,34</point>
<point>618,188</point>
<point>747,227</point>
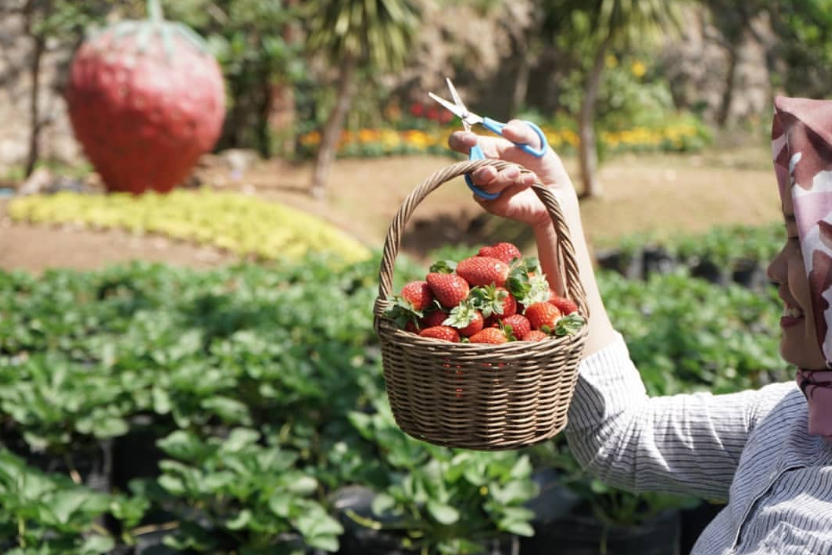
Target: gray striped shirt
<point>749,448</point>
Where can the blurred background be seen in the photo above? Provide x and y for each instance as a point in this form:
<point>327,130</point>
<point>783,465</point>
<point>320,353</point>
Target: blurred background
<point>196,371</point>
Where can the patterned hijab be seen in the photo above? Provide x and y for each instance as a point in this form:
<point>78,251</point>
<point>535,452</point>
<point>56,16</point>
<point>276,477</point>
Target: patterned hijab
<point>801,142</point>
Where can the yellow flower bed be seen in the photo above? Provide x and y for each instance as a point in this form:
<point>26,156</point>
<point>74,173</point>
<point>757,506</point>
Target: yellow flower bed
<point>239,224</point>
<point>374,142</point>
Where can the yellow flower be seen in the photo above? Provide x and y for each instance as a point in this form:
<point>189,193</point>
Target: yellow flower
<point>311,139</point>
<point>611,61</point>
<point>638,69</point>
<point>367,136</point>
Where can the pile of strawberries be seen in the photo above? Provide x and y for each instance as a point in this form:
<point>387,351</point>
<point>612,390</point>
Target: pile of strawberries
<point>493,297</point>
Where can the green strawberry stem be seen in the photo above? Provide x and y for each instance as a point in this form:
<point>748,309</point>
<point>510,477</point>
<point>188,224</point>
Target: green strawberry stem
<point>154,11</point>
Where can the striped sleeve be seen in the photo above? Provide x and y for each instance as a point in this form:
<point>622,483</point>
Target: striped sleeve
<point>687,444</point>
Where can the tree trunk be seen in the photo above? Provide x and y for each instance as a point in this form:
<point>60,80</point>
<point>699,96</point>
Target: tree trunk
<point>587,151</point>
<point>333,127</point>
<point>521,83</point>
<point>35,123</point>
<point>730,84</point>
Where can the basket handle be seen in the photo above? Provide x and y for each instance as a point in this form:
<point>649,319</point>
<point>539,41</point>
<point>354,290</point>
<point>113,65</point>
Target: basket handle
<point>566,253</point>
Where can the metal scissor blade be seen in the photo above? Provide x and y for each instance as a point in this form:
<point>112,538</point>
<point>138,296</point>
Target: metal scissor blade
<point>455,95</point>
<point>453,108</point>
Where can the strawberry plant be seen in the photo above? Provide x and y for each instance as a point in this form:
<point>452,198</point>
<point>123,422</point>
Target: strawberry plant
<point>252,363</point>
<point>248,496</point>
<point>54,515</point>
<point>441,500</point>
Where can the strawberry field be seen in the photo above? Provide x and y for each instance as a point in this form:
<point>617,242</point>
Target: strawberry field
<point>152,409</point>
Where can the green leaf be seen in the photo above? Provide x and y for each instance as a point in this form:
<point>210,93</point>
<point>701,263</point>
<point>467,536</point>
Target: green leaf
<point>316,523</point>
<point>239,439</point>
<point>240,521</point>
<point>303,485</point>
<point>280,504</point>
<point>569,324</point>
<point>230,410</point>
<point>110,427</point>
<point>161,400</point>
<point>65,503</point>
<point>172,484</point>
<point>96,545</point>
<point>518,528</point>
<point>184,445</point>
<point>383,503</point>
<point>443,514</point>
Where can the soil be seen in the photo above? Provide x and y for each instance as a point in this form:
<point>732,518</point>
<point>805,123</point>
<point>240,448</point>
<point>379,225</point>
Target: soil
<point>656,194</point>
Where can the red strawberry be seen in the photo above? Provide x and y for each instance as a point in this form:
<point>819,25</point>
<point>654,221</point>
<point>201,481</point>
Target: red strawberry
<point>495,302</point>
<point>418,294</point>
<point>501,251</point>
<point>433,318</point>
<point>482,270</point>
<point>445,333</point>
<point>520,325</point>
<point>542,315</point>
<point>145,100</point>
<point>449,289</point>
<point>495,336</point>
<point>535,335</point>
<point>477,323</point>
<point>566,306</point>
<point>466,318</point>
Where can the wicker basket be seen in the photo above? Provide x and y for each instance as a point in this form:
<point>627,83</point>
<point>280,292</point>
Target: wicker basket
<point>475,396</point>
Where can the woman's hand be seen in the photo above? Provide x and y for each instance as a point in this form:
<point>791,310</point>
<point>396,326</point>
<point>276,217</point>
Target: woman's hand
<point>516,201</point>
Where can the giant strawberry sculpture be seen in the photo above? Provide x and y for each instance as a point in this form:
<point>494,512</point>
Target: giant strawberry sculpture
<point>146,100</point>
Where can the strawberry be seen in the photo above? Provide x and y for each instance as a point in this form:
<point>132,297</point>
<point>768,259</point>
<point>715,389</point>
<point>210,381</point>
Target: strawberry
<point>542,316</point>
<point>566,306</point>
<point>433,318</point>
<point>477,323</point>
<point>466,318</point>
<point>495,336</point>
<point>146,100</point>
<point>482,270</point>
<point>494,302</point>
<point>535,335</point>
<point>445,333</point>
<point>418,294</point>
<point>407,308</point>
<point>517,324</point>
<point>501,251</point>
<point>448,289</point>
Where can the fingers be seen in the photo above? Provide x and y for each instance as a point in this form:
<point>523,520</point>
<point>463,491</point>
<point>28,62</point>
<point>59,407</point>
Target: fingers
<point>515,131</point>
<point>490,180</point>
<point>462,141</point>
<point>518,132</point>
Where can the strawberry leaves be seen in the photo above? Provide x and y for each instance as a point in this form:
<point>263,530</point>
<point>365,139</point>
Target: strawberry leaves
<point>527,282</point>
<point>489,299</point>
<point>569,325</point>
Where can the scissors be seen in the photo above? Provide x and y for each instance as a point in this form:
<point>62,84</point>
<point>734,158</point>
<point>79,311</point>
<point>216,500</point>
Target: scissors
<point>469,119</point>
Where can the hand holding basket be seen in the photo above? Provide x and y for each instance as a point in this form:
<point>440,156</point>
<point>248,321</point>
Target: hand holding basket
<point>475,396</point>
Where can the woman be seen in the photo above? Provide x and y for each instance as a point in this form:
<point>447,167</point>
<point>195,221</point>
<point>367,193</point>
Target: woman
<point>767,452</point>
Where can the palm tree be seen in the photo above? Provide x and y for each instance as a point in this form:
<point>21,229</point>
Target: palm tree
<point>355,34</point>
<point>611,23</point>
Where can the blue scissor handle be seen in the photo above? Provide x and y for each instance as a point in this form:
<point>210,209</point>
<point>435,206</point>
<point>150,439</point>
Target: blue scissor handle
<point>497,127</point>
<point>476,154</point>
